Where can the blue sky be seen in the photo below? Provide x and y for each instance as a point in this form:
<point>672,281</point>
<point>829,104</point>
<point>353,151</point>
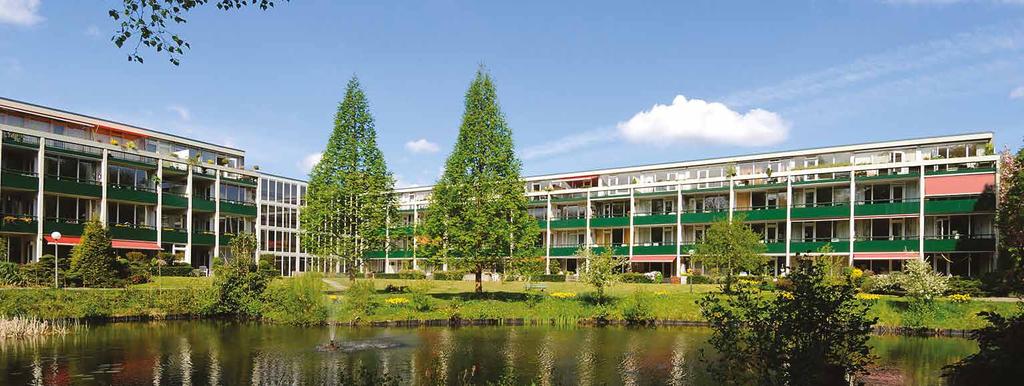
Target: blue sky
<point>578,81</point>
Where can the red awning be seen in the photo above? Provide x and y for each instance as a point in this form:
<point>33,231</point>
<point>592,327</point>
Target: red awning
<point>119,244</point>
<point>132,244</point>
<point>66,240</point>
<point>653,259</point>
<point>579,178</point>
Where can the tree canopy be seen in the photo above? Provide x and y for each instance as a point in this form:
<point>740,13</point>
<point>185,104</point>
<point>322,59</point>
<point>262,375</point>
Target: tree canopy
<point>477,218</point>
<point>350,196</point>
<point>729,247</point>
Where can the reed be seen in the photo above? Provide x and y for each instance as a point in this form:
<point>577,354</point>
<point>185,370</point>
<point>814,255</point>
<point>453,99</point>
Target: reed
<point>20,327</point>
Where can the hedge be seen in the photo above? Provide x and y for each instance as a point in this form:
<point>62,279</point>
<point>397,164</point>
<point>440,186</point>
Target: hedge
<point>174,270</point>
<point>633,277</point>
<point>450,275</point>
<point>548,278</point>
<point>699,279</point>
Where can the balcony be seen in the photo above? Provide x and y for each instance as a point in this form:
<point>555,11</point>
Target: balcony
<point>203,204</point>
<point>704,216</point>
<point>957,206</point>
<point>804,246</point>
<point>18,223</point>
<point>400,253</point>
<point>761,213</point>
<point>67,227</point>
<point>374,254</point>
<point>20,180</point>
<point>610,221</point>
<point>238,207</point>
<point>171,200</point>
<point>960,171</point>
<point>202,238</point>
<point>20,140</point>
<point>960,243</point>
<point>402,231</point>
<point>775,247</point>
<point>568,222</point>
<point>130,193</point>
<point>656,218</point>
<point>72,186</point>
<point>654,249</point>
<point>618,250</point>
<point>881,244</point>
<point>125,231</point>
<point>821,210</point>
<point>173,235</point>
<point>887,207</point>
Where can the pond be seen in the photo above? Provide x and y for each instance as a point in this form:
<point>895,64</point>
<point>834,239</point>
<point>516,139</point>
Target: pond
<point>226,353</point>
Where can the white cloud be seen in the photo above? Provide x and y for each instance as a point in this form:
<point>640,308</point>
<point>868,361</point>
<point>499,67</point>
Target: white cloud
<point>422,145</point>
<point>309,161</point>
<point>182,111</point>
<point>569,143</point>
<point>20,12</point>
<point>1017,93</point>
<point>695,120</point>
<point>91,30</point>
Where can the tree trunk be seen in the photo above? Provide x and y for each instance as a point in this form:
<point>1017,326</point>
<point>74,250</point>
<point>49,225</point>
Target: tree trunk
<point>479,280</point>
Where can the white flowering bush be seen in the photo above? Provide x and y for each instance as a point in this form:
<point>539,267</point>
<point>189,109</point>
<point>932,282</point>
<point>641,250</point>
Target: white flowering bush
<point>654,276</point>
<point>920,282</point>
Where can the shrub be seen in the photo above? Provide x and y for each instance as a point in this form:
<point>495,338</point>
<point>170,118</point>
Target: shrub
<point>920,281</point>
<point>637,308</point>
<point>998,360</point>
<point>633,277</point>
<point>296,301</point>
<point>449,275</point>
<point>359,297</point>
<point>266,265</point>
<point>411,274</point>
<point>40,273</point>
<point>548,278</point>
<point>138,267</point>
<point>699,279</point>
<point>421,301</point>
<point>967,286</point>
<point>654,276</point>
<point>9,273</point>
<point>239,289</point>
<point>882,284</point>
<point>93,262</point>
<point>180,270</point>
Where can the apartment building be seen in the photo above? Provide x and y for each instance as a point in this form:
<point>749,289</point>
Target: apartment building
<point>154,191</point>
<point>876,204</point>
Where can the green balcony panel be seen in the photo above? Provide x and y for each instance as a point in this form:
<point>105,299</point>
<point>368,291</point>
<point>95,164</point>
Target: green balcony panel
<point>622,250</point>
<point>174,236</point>
<point>64,228</point>
<point>654,249</point>
<point>886,245</point>
<point>963,244</point>
<point>823,181</point>
<point>656,219</point>
<point>821,212</point>
<point>202,238</point>
<point>708,217</point>
<point>608,222</point>
<point>402,231</point>
<point>542,224</point>
<point>21,141</point>
<point>128,194</point>
<point>776,247</point>
<point>203,205</point>
<point>373,254</point>
<point>569,223</point>
<point>72,187</point>
<point>400,253</point>
<point>76,153</point>
<point>15,180</point>
<point>564,251</point>
<point>841,246</point>
<point>16,224</point>
<point>884,177</point>
<point>238,208</point>
<point>225,239</point>
<point>762,214</point>
<point>959,171</point>
<point>129,233</point>
<point>967,205</point>
<point>686,248</point>
<point>171,200</point>
<point>887,208</point>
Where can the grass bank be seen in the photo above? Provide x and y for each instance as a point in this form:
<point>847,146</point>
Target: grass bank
<point>167,297</point>
<point>510,300</point>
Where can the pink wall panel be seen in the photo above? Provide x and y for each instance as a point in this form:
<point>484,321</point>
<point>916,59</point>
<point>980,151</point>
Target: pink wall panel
<point>964,184</point>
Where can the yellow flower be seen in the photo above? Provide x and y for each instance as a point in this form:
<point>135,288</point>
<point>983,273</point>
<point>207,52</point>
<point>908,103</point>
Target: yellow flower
<point>660,293</point>
<point>397,301</point>
<point>856,273</point>
<point>563,295</point>
<point>787,295</point>
<point>332,298</point>
<point>960,298</point>
<point>863,296</point>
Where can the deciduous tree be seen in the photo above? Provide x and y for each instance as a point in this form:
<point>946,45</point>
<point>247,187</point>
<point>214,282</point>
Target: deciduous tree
<point>601,270</point>
<point>477,217</point>
<point>730,247</point>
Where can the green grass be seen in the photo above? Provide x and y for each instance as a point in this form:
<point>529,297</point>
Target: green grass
<point>510,300</point>
<point>167,282</point>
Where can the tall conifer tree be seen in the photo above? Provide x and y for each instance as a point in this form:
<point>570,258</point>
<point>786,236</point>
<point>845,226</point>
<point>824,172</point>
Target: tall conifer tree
<point>477,218</point>
<point>350,197</point>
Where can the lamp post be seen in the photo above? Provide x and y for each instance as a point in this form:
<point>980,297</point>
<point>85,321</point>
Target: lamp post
<point>56,237</point>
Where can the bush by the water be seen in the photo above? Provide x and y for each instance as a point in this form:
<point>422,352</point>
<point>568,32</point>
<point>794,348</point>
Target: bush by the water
<point>637,308</point>
<point>1000,356</point>
<point>40,273</point>
<point>295,301</point>
<point>48,303</point>
<point>93,261</point>
<point>359,298</point>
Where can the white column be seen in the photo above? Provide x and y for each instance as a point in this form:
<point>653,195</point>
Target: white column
<point>995,255</point>
<point>547,237</point>
<point>853,211</point>
<point>789,221</point>
<point>920,215</point>
<point>258,229</point>
<point>159,203</point>
<point>41,172</point>
<point>188,216</point>
<point>632,212</point>
<point>680,266</point>
<point>732,197</point>
<point>415,219</point>
<point>216,215</point>
<point>589,214</point>
<point>104,180</point>
<point>387,243</point>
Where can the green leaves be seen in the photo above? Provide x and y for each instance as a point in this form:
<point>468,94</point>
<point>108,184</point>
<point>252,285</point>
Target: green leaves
<point>477,217</point>
<point>93,260</point>
<point>730,247</point>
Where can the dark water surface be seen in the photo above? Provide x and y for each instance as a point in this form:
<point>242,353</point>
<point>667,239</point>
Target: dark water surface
<point>224,353</point>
